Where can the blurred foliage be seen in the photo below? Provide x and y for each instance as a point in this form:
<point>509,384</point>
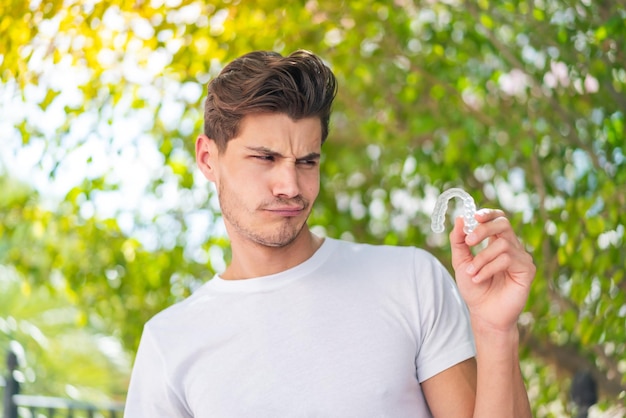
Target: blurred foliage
<point>60,351</point>
<point>520,102</point>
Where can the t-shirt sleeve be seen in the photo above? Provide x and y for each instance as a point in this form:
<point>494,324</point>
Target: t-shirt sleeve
<point>150,394</point>
<point>445,333</point>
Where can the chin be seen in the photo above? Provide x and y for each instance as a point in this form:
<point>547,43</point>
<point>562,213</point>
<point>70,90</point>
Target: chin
<point>278,241</point>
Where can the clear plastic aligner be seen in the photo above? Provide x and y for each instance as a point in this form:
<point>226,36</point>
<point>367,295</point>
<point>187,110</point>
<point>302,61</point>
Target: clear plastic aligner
<point>441,206</point>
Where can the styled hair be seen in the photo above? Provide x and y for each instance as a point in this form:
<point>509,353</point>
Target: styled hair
<point>299,85</point>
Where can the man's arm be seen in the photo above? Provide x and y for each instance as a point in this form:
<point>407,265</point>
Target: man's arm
<point>495,284</point>
<point>452,393</point>
<point>500,387</point>
<point>149,394</point>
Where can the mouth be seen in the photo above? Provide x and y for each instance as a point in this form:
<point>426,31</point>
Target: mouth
<point>286,211</point>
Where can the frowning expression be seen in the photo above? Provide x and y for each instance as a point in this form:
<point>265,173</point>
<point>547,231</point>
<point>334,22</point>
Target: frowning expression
<point>268,177</point>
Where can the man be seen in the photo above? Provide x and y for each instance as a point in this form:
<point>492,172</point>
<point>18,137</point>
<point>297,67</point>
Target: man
<point>304,326</point>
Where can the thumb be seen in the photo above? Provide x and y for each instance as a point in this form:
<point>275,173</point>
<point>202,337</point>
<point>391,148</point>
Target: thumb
<point>461,252</point>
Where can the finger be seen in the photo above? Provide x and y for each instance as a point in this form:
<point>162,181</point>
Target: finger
<point>493,259</point>
<point>492,223</point>
<point>510,269</point>
<point>461,252</point>
<point>488,214</point>
<point>501,257</point>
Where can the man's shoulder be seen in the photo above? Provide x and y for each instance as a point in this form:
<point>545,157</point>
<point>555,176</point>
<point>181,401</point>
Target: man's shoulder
<point>181,312</point>
<point>376,251</point>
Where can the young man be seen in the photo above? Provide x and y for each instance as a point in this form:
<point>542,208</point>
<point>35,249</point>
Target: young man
<point>304,326</point>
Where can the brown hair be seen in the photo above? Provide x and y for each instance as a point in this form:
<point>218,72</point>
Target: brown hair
<point>299,85</point>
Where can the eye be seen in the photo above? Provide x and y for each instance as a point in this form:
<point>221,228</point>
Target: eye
<point>308,162</point>
<point>264,157</point>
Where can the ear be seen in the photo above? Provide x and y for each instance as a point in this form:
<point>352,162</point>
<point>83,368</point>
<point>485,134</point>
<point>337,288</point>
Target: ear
<point>206,156</point>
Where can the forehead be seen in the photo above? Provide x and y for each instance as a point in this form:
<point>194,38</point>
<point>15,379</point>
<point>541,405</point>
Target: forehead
<point>279,132</point>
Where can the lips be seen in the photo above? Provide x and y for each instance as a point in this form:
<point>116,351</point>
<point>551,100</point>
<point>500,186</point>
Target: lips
<point>286,207</point>
<point>286,210</point>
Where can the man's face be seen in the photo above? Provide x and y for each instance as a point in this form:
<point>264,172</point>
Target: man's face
<point>268,178</point>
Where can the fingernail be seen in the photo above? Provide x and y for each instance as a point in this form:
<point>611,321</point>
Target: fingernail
<point>470,269</point>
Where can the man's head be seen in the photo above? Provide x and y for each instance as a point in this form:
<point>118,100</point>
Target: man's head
<point>299,85</point>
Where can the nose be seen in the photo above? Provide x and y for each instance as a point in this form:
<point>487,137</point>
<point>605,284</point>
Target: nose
<point>285,180</point>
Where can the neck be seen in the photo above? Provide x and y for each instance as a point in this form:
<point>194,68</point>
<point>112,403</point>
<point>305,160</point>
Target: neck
<point>252,260</point>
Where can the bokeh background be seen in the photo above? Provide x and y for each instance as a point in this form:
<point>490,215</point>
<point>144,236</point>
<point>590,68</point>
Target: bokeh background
<point>104,219</point>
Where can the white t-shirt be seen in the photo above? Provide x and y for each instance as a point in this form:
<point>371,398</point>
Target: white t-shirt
<point>351,332</point>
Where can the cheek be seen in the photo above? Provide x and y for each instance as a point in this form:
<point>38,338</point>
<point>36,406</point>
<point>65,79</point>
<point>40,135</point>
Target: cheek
<point>312,186</point>
<point>240,177</point>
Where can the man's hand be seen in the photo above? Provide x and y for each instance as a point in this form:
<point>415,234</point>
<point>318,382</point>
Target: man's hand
<point>495,282</point>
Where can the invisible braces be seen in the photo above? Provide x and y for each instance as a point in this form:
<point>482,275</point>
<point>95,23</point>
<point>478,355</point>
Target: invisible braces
<point>441,206</point>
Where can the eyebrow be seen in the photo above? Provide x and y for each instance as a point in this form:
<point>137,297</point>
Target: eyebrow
<point>267,151</point>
